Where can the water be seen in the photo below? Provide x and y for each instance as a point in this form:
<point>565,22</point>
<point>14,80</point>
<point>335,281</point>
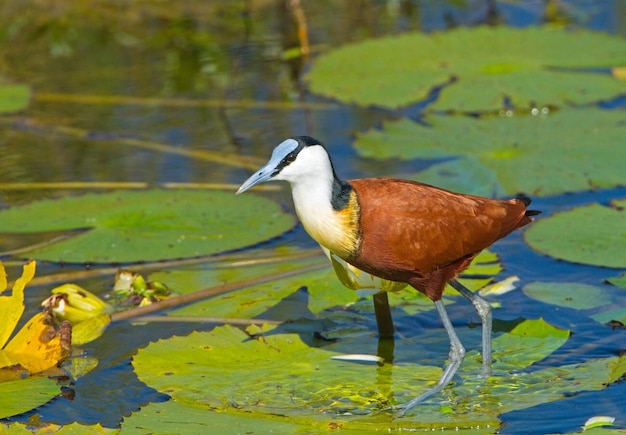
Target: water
<point>132,68</point>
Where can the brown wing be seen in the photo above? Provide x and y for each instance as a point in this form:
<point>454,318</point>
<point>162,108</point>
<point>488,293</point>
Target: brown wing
<point>409,227</point>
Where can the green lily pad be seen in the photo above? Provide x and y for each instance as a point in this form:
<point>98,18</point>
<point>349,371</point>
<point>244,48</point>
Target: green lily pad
<point>227,358</point>
<point>528,342</point>
<point>617,368</point>
<point>467,175</point>
<point>17,397</point>
<point>568,294</point>
<point>15,429</point>
<point>592,234</point>
<point>533,66</point>
<point>525,390</point>
<point>173,417</point>
<point>13,97</point>
<point>218,369</point>
<point>618,314</point>
<point>619,281</point>
<point>48,428</point>
<point>527,154</point>
<point>281,379</point>
<point>128,226</point>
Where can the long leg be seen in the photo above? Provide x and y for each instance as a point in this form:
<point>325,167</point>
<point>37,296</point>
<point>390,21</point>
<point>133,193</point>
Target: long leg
<point>383,315</point>
<point>457,352</point>
<point>484,312</point>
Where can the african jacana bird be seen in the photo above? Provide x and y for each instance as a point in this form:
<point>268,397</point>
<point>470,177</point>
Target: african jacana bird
<point>398,230</point>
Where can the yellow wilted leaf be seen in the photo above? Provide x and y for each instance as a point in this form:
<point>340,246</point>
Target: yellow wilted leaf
<point>3,278</point>
<point>38,346</point>
<point>90,329</point>
<point>12,307</point>
<point>619,72</point>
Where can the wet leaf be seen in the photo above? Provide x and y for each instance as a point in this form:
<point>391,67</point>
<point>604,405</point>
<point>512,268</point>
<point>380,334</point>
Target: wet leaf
<point>12,307</point>
<point>90,329</point>
<point>598,421</point>
<point>19,396</point>
<point>500,288</point>
<point>247,376</point>
<point>619,72</point>
<point>56,429</point>
<point>523,390</point>
<point>619,281</point>
<point>568,294</point>
<point>467,175</point>
<point>223,360</point>
<point>130,226</point>
<point>591,234</point>
<point>618,314</point>
<point>79,365</point>
<point>528,342</point>
<point>177,417</point>
<point>515,154</point>
<point>532,66</point>
<point>617,369</point>
<point>36,347</point>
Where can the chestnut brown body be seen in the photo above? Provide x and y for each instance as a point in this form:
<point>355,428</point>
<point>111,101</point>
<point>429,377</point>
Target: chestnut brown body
<point>426,235</point>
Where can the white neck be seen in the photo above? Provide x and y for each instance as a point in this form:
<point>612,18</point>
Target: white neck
<point>311,177</point>
<point>312,199</point>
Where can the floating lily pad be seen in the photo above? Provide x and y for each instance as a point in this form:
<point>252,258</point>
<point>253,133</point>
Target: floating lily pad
<point>618,314</point>
<point>592,234</point>
<point>467,175</point>
<point>619,281</point>
<point>56,429</point>
<point>228,359</point>
<point>277,375</point>
<point>568,294</point>
<point>533,66</point>
<point>280,378</point>
<point>529,154</point>
<point>17,397</point>
<point>528,342</point>
<point>130,226</point>
<point>173,417</point>
<point>13,97</point>
<point>526,390</point>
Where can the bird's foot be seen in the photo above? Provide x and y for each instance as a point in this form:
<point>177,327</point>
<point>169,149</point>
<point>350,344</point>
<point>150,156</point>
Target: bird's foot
<point>403,408</point>
<point>485,372</point>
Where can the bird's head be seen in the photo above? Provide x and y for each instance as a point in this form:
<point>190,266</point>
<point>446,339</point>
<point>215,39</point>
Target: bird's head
<point>296,159</point>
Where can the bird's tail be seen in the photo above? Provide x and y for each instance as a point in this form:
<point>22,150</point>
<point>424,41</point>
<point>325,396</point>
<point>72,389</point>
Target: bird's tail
<point>526,200</point>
